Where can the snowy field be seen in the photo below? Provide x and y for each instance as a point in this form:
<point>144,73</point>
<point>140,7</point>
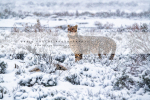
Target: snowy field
<point>29,61</point>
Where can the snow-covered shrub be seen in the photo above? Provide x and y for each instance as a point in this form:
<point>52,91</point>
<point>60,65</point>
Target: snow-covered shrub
<point>108,25</point>
<point>15,56</point>
<point>46,57</point>
<point>69,61</point>
<point>45,62</point>
<point>3,67</point>
<point>2,55</point>
<point>104,26</point>
<point>59,98</point>
<point>19,56</point>
<point>61,58</point>
<point>3,91</point>
<point>139,42</point>
<point>31,49</point>
<point>84,75</point>
<point>1,79</point>
<point>30,59</point>
<point>63,27</point>
<point>87,82</point>
<point>145,83</point>
<point>134,64</point>
<point>131,65</point>
<point>10,56</point>
<point>48,68</point>
<point>37,92</point>
<point>123,82</point>
<point>14,29</point>
<point>139,59</point>
<point>27,28</point>
<point>120,29</point>
<point>37,27</point>
<point>144,27</point>
<point>99,25</point>
<point>74,78</point>
<point>86,69</point>
<point>46,80</point>
<point>19,71</point>
<point>135,27</point>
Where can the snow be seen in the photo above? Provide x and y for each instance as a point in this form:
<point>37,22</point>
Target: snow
<point>90,78</point>
<point>90,22</point>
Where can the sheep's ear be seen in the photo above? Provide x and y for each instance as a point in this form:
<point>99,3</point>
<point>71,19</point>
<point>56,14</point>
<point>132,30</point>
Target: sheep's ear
<point>68,25</point>
<point>76,26</point>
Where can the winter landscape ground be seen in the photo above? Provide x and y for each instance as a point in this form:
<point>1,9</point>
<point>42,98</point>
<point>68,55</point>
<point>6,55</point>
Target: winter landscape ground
<point>34,46</point>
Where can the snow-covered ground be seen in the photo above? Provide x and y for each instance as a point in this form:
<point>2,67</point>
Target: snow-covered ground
<point>90,78</point>
<point>126,77</point>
